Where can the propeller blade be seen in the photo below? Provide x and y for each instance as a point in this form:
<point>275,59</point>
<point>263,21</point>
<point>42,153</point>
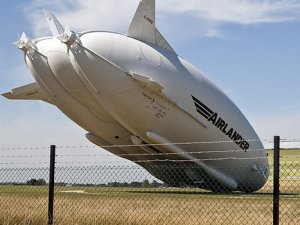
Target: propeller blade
<point>55,26</point>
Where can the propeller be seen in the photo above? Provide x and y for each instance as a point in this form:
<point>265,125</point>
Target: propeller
<point>25,43</point>
<point>68,37</point>
<point>64,35</point>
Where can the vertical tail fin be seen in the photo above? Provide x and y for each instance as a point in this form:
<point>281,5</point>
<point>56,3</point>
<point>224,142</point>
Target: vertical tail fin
<point>143,27</point>
<point>55,26</point>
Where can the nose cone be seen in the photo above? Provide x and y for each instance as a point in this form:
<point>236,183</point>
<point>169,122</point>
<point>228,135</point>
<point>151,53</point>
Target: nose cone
<point>258,169</point>
<point>257,176</point>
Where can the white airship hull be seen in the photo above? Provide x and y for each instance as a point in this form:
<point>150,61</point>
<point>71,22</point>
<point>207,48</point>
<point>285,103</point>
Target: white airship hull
<point>125,91</point>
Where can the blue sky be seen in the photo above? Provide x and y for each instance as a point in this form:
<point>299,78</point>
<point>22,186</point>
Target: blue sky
<point>250,49</point>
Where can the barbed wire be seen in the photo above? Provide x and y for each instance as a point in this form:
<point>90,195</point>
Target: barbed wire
<point>111,163</point>
<point>24,163</point>
<point>152,160</point>
<point>147,144</point>
<point>197,160</point>
<point>23,148</point>
<point>131,154</point>
<point>165,153</point>
<point>135,154</point>
<point>284,140</point>
<point>128,145</point>
<point>25,156</point>
<point>287,140</point>
<point>172,143</point>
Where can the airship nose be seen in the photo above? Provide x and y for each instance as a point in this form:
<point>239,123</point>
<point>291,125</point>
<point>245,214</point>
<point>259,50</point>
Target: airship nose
<point>257,176</point>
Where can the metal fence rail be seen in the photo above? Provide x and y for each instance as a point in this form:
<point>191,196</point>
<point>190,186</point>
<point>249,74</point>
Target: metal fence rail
<point>125,193</point>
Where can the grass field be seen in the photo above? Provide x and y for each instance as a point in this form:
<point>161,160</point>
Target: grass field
<point>154,206</point>
<point>286,155</point>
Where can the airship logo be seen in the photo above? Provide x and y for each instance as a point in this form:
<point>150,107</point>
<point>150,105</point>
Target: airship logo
<point>221,124</point>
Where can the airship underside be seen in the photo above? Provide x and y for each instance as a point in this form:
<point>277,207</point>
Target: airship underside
<point>136,96</point>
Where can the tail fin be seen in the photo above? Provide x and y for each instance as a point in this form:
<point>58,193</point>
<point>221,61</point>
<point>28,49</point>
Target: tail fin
<point>55,26</point>
<point>27,92</point>
<point>143,27</point>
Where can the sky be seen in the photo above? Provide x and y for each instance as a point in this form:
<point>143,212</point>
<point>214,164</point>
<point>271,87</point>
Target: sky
<point>249,48</point>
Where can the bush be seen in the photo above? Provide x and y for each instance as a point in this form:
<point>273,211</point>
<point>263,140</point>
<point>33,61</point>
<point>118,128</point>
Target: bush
<point>36,182</point>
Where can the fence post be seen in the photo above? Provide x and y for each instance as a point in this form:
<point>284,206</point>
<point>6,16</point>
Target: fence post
<point>276,180</point>
<point>51,185</point>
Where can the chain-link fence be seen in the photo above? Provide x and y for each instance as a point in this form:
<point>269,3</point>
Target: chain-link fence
<point>116,191</point>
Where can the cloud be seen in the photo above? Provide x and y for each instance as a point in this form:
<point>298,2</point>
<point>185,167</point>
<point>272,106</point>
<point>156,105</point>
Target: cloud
<point>208,15</point>
<point>238,11</point>
<point>82,15</point>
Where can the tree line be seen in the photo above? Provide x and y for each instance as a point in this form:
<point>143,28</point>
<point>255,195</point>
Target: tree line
<point>144,183</point>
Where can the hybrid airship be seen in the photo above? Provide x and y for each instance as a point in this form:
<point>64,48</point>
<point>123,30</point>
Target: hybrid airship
<point>138,99</point>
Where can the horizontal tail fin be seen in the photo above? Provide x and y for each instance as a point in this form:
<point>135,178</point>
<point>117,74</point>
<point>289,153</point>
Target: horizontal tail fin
<point>27,92</point>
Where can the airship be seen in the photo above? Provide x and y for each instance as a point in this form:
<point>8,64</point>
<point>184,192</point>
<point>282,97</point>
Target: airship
<point>138,99</point>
